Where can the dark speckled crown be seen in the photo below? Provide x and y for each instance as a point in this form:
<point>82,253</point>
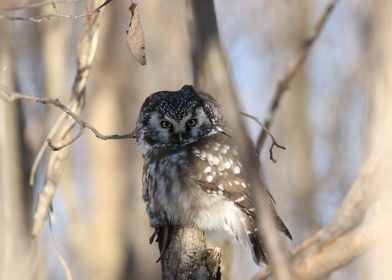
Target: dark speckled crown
<point>178,104</point>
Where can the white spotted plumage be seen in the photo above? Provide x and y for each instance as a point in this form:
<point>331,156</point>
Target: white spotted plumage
<point>192,173</point>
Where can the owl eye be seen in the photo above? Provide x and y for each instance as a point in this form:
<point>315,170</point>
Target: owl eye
<point>166,124</point>
<point>191,122</point>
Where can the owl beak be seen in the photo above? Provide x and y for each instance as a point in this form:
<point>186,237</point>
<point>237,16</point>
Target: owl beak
<point>179,135</point>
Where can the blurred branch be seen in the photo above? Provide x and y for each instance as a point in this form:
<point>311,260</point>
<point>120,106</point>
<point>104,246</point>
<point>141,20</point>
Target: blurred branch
<point>274,143</point>
<point>43,147</point>
<point>211,73</point>
<point>292,70</point>
<point>330,255</point>
<point>322,253</point>
<point>60,256</point>
<point>20,256</point>
<point>187,257</point>
<point>85,54</point>
<point>9,96</point>
<point>47,17</point>
<point>39,4</point>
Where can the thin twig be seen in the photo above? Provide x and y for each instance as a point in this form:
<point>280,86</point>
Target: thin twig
<point>60,256</point>
<point>47,17</point>
<point>274,143</point>
<point>68,143</point>
<point>38,5</point>
<point>287,78</point>
<point>44,145</point>
<point>9,96</point>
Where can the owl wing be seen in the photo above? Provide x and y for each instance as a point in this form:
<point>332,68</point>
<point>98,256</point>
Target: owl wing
<point>216,168</point>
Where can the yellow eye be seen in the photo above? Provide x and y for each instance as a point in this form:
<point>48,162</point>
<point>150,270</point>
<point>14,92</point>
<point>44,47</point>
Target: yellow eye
<point>166,124</point>
<point>191,122</point>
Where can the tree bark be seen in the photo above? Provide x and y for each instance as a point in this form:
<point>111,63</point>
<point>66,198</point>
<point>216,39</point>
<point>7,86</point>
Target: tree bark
<point>187,256</point>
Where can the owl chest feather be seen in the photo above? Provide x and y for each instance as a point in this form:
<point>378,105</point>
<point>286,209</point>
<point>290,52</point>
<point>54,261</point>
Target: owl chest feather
<point>173,196</point>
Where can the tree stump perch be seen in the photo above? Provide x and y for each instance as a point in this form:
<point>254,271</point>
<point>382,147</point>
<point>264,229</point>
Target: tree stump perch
<point>187,255</point>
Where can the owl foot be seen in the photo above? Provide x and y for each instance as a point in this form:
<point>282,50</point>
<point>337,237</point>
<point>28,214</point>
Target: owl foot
<point>164,241</point>
<point>154,236</point>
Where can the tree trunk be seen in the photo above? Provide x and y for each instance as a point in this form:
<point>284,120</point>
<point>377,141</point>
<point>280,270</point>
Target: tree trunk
<point>19,255</point>
<point>187,256</point>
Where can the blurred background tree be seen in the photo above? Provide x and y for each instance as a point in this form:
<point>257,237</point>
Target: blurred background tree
<point>335,114</point>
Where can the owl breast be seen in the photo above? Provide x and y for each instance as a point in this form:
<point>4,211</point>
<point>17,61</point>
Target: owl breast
<point>173,184</point>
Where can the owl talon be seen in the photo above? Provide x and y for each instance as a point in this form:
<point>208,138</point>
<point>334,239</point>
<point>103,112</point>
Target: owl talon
<point>165,243</point>
<point>154,235</point>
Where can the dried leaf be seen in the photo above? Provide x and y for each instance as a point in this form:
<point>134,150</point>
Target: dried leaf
<point>136,36</point>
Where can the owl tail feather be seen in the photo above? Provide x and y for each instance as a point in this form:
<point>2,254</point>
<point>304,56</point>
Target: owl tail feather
<point>282,227</point>
<point>256,242</point>
<point>257,248</point>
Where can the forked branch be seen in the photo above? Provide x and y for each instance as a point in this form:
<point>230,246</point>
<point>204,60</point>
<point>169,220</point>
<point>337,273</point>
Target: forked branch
<point>274,143</point>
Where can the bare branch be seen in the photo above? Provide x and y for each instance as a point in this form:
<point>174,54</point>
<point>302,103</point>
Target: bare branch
<point>9,96</point>
<point>39,4</point>
<point>43,147</point>
<point>329,256</point>
<point>274,143</point>
<point>292,70</point>
<point>60,256</point>
<point>73,139</point>
<point>47,17</point>
<point>347,230</point>
<point>85,54</point>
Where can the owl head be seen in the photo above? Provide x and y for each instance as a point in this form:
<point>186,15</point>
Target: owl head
<point>176,118</point>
